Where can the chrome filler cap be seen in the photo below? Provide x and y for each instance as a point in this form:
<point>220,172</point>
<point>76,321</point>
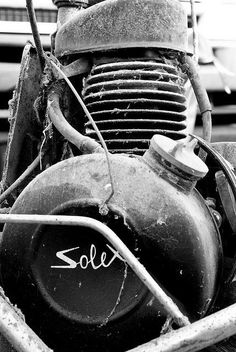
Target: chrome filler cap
<point>178,156</point>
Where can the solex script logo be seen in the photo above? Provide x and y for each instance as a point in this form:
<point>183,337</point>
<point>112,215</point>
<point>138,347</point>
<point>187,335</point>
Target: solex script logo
<point>93,259</point>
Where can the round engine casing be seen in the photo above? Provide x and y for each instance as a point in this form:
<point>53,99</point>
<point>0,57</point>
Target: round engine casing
<point>57,276</point>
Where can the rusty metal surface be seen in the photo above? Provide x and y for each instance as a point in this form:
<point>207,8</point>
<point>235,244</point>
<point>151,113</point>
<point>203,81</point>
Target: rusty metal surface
<point>5,346</point>
<point>16,331</point>
<point>67,9</point>
<point>115,24</point>
<point>170,227</point>
<point>227,150</point>
<point>22,121</point>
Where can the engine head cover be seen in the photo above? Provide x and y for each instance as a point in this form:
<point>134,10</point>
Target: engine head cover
<point>121,24</point>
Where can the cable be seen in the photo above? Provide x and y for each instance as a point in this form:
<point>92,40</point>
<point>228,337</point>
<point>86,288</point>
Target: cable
<point>202,98</point>
<point>35,32</point>
<point>20,179</point>
<point>189,67</point>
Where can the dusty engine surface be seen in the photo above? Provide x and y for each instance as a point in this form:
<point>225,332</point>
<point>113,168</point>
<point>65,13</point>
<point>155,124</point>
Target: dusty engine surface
<point>131,167</point>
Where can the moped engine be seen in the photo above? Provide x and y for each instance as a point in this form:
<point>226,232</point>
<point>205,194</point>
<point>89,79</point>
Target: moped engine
<point>75,289</point>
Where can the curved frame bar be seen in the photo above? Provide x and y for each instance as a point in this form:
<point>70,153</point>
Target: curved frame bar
<point>16,331</point>
<point>198,336</point>
<point>165,301</point>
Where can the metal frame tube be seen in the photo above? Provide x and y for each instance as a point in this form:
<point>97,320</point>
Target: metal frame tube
<point>165,301</point>
<point>197,336</point>
<point>16,331</point>
<point>20,179</point>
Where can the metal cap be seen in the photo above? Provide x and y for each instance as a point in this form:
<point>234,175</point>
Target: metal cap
<point>179,154</point>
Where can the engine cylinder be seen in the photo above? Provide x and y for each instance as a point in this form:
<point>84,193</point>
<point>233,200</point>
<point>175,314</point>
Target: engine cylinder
<point>131,97</point>
<point>132,100</point>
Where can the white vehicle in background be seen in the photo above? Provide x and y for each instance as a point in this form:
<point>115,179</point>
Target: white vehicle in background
<point>217,29</point>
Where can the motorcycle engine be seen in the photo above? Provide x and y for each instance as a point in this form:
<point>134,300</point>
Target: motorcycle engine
<point>75,290</point>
